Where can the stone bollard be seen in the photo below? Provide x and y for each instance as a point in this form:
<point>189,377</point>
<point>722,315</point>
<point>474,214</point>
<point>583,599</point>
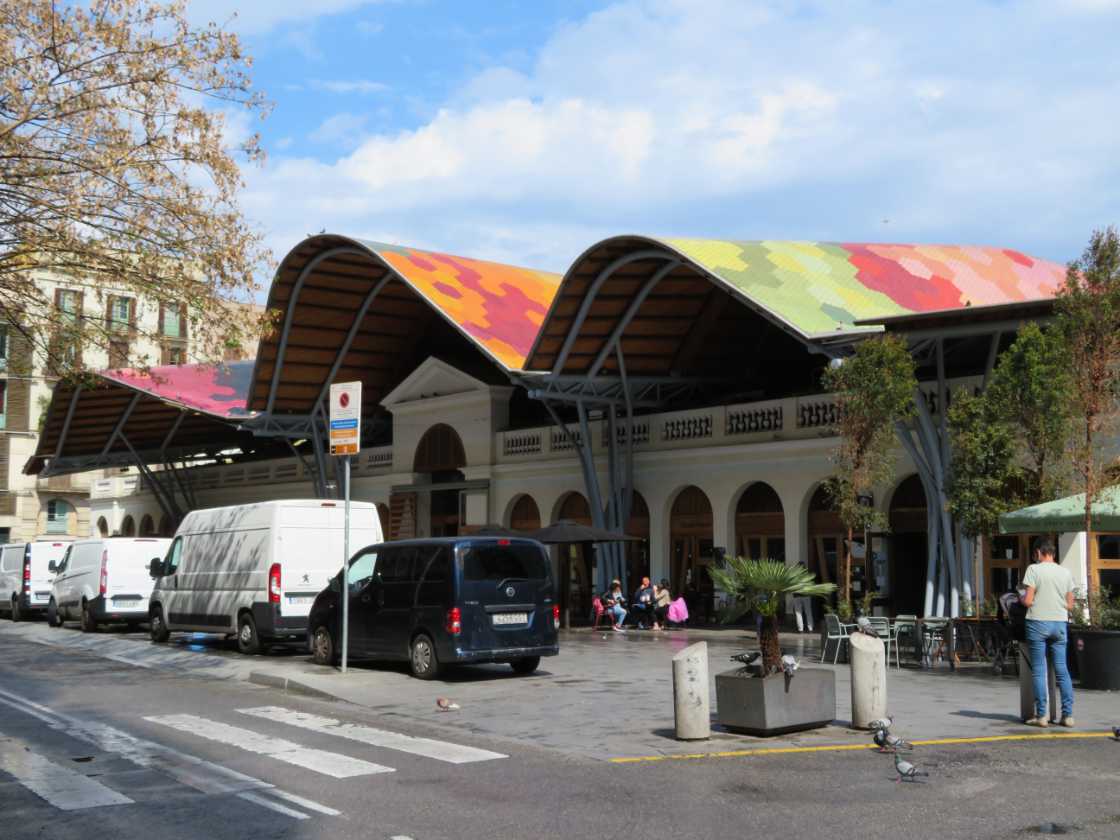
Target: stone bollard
<point>868,661</point>
<point>691,703</point>
<point>1026,688</point>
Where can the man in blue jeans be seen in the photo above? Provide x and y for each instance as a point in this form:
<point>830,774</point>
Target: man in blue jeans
<point>1049,599</point>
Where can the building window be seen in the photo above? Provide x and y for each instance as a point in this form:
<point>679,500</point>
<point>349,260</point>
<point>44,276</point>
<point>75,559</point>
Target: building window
<point>58,516</point>
<point>120,314</point>
<point>118,353</point>
<point>69,303</point>
<point>172,320</point>
<point>174,354</point>
<point>67,345</point>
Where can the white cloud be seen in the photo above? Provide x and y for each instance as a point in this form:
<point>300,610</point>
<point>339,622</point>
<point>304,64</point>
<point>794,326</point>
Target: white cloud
<point>259,16</point>
<point>676,116</point>
<point>349,85</point>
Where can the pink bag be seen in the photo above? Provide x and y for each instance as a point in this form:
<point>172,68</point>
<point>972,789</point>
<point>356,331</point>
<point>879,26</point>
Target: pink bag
<point>678,612</point>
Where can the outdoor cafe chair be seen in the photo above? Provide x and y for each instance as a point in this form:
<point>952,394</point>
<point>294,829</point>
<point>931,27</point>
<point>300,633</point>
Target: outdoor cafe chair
<point>834,630</point>
<point>882,626</point>
<point>906,627</point>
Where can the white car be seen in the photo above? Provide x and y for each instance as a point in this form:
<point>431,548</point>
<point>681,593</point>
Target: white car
<point>25,576</point>
<point>103,580</point>
<point>253,571</point>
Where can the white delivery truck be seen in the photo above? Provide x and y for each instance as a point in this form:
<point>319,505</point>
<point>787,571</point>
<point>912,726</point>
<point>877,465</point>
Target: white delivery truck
<point>253,571</point>
<point>25,576</point>
<point>103,580</point>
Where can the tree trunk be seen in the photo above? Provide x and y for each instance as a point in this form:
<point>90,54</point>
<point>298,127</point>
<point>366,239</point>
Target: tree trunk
<point>1090,564</point>
<point>770,645</point>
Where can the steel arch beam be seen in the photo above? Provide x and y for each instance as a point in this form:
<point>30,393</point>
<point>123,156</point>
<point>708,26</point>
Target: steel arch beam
<point>628,315</point>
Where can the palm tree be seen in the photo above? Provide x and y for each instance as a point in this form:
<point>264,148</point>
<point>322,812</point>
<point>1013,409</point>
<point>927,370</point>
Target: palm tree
<point>761,585</point>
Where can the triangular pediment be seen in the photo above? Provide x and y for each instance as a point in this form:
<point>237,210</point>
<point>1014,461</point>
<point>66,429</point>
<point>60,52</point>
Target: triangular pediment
<point>434,378</point>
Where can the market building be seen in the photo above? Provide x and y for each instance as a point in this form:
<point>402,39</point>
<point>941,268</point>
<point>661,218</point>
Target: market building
<point>669,388</point>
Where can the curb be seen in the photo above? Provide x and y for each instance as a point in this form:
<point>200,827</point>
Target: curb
<point>289,685</point>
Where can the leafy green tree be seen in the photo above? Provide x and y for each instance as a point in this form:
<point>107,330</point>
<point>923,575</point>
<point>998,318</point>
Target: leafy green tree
<point>762,585</point>
<point>874,389</point>
<point>1089,318</point>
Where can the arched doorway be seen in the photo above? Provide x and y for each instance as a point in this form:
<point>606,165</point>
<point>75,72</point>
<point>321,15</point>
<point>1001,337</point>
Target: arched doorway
<point>128,527</point>
<point>908,547</point>
<point>760,524</point>
<point>525,515</point>
<point>637,553</point>
<point>440,454</point>
<point>147,526</point>
<point>690,551</point>
<point>577,563</point>
<point>102,526</point>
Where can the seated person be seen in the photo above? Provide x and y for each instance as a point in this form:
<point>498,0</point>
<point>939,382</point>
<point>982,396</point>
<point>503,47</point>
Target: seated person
<point>615,602</point>
<point>661,601</point>
<point>642,605</point>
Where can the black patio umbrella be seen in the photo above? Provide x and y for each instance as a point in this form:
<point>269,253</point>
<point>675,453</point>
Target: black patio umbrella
<point>566,531</point>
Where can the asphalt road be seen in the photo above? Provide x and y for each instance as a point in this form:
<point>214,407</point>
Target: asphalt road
<point>95,748</point>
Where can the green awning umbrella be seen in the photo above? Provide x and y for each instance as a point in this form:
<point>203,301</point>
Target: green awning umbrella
<point>1065,515</point>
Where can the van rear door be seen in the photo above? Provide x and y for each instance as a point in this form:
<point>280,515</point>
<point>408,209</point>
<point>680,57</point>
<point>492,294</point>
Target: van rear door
<point>42,553</point>
<point>127,575</point>
<point>505,595</point>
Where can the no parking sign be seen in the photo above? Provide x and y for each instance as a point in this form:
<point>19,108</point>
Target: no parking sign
<point>346,418</point>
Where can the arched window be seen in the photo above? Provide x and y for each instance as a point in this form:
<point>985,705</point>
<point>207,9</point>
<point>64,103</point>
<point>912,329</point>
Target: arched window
<point>525,515</point>
<point>166,526</point>
<point>102,526</point>
<point>147,526</point>
<point>128,527</point>
<point>440,450</point>
<point>58,516</point>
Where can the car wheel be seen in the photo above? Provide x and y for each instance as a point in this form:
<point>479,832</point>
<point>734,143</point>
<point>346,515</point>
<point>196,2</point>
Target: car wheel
<point>248,640</point>
<point>525,666</point>
<point>53,618</point>
<point>158,627</point>
<point>89,623</point>
<point>422,659</point>
<point>322,647</point>
<point>17,613</point>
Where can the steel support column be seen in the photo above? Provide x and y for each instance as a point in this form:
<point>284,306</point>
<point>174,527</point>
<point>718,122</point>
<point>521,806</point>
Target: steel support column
<point>66,422</point>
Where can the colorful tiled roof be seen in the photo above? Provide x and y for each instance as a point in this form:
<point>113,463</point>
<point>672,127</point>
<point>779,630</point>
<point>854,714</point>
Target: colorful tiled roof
<point>819,288</point>
<point>500,306</point>
<point>218,390</point>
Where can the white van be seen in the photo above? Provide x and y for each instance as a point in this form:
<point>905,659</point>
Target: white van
<point>254,570</point>
<point>25,576</point>
<point>104,580</point>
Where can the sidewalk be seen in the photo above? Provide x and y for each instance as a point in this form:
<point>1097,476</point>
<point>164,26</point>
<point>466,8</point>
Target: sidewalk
<point>607,695</point>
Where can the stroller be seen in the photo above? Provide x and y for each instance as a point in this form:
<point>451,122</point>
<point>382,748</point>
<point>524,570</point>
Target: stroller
<point>1009,630</point>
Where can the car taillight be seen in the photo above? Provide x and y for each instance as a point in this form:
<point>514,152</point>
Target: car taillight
<point>26,574</point>
<point>274,584</point>
<point>454,621</point>
<point>556,616</point>
<point>103,587</point>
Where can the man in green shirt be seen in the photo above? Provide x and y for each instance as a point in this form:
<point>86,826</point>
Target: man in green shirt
<point>1049,599</point>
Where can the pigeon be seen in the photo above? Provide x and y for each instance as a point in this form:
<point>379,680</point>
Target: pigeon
<point>1116,733</point>
<point>863,625</point>
<point>882,723</point>
<point>885,740</point>
<point>906,770</point>
<point>789,665</point>
<point>746,658</point>
<point>446,705</point>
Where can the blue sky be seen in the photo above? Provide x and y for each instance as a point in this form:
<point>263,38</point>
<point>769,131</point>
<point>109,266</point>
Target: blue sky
<point>524,131</point>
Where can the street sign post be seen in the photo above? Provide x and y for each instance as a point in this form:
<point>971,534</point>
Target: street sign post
<point>345,440</point>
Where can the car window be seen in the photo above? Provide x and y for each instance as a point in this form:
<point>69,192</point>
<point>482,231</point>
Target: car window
<point>174,555</point>
<point>65,561</point>
<point>497,562</point>
<point>361,569</point>
<point>396,565</point>
<point>434,587</point>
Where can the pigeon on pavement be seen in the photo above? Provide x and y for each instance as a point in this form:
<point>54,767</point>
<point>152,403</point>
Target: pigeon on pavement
<point>906,770</point>
<point>1116,733</point>
<point>885,740</point>
<point>445,705</point>
<point>746,658</point>
<point>882,723</point>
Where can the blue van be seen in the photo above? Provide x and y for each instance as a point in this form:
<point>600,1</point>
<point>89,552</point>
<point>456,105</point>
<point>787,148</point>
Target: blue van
<point>438,602</point>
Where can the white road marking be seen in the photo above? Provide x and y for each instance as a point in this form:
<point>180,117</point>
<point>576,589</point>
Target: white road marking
<point>116,657</point>
<point>273,806</point>
<point>310,804</point>
<point>426,747</point>
<point>331,764</point>
<point>62,787</point>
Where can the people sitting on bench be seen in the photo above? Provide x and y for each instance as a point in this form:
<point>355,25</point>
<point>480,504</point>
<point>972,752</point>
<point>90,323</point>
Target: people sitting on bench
<point>642,605</point>
<point>615,602</point>
<point>661,601</point>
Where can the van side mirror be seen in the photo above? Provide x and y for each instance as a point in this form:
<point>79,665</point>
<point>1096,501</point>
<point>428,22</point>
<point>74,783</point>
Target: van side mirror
<point>155,568</point>
<point>52,567</point>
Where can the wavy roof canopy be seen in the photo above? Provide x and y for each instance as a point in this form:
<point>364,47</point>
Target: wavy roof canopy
<point>429,299</point>
<point>811,290</point>
<point>221,391</point>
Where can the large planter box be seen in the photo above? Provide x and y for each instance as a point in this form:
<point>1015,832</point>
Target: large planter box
<point>1098,658</point>
<point>774,705</point>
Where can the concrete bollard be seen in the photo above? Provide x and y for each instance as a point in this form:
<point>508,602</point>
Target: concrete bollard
<point>691,703</point>
<point>1026,688</point>
<point>868,661</point>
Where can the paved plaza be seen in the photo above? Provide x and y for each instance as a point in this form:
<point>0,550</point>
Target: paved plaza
<point>607,696</point>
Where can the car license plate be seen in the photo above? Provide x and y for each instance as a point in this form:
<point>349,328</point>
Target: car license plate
<point>126,602</point>
<point>511,618</point>
<point>300,600</point>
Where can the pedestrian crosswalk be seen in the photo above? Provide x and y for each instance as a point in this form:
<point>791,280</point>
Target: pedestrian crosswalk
<point>43,773</point>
